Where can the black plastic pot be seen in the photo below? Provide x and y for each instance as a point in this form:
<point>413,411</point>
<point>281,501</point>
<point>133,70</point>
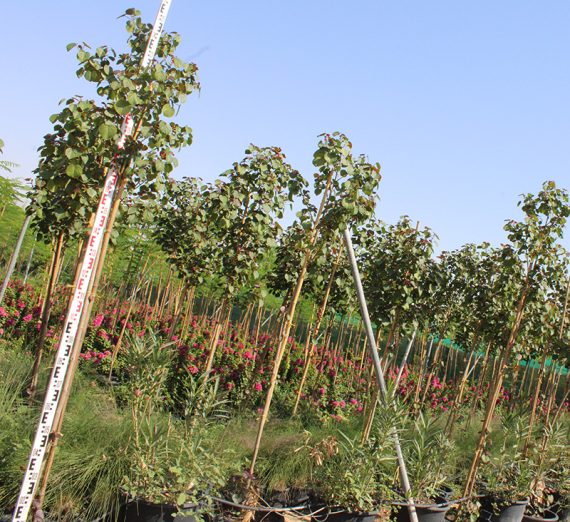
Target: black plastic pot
<point>140,511</point>
<point>549,516</point>
<point>503,512</point>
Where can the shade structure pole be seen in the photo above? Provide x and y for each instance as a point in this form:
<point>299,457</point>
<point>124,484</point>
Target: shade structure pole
<point>14,257</point>
<point>380,381</point>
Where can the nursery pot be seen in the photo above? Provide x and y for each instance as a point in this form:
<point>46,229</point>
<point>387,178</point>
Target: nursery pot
<point>505,512</point>
<point>142,511</point>
<point>425,513</point>
<point>548,516</point>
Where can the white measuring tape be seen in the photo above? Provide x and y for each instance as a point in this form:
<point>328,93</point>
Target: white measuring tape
<point>71,325</point>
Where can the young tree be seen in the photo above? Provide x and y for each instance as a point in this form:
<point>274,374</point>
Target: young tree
<point>150,94</point>
<point>347,185</point>
<point>533,248</point>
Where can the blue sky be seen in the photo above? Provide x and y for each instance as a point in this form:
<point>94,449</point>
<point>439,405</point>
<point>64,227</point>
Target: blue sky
<point>465,104</point>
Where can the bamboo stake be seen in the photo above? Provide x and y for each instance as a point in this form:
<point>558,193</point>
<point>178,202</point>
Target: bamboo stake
<point>46,312</point>
<point>314,332</point>
<point>494,393</point>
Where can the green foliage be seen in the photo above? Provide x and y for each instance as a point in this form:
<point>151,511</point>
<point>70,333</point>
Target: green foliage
<point>429,458</point>
<point>507,474</point>
<point>351,183</point>
<point>245,209</point>
<point>186,233</point>
<point>354,476</point>
<point>82,146</point>
<point>397,261</point>
<point>7,166</point>
<point>354,183</point>
<point>10,192</point>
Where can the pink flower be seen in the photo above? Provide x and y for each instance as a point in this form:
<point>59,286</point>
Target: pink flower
<point>249,355</point>
<point>27,318</point>
<point>21,304</point>
<point>98,320</point>
<point>258,387</point>
<point>321,391</point>
<point>436,383</point>
<point>3,312</point>
<point>193,369</point>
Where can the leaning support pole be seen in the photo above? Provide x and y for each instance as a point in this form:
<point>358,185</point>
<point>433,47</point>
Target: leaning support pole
<point>378,370</point>
<point>29,263</point>
<point>14,257</point>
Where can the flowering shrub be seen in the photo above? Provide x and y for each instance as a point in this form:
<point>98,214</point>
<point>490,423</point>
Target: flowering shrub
<point>19,313</point>
<point>338,384</point>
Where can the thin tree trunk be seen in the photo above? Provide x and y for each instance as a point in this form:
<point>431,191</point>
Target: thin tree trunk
<point>285,334</point>
<point>459,397</point>
<point>494,393</point>
<point>535,399</point>
<point>314,332</point>
<point>46,312</point>
<point>480,382</point>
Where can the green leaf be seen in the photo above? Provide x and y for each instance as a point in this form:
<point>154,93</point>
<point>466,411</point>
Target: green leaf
<point>167,110</point>
<point>70,46</point>
<point>133,98</point>
<point>122,107</point>
<point>107,131</point>
<point>82,55</point>
<point>74,170</point>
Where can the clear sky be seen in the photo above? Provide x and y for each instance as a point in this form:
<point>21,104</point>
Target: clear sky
<point>465,104</point>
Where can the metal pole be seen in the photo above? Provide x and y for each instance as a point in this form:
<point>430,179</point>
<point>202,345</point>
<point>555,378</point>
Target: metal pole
<point>378,370</point>
<point>14,257</point>
<point>29,263</point>
<point>404,360</point>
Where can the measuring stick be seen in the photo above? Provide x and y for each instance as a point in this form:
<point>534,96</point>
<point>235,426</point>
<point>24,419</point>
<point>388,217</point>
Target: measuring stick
<point>59,371</point>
